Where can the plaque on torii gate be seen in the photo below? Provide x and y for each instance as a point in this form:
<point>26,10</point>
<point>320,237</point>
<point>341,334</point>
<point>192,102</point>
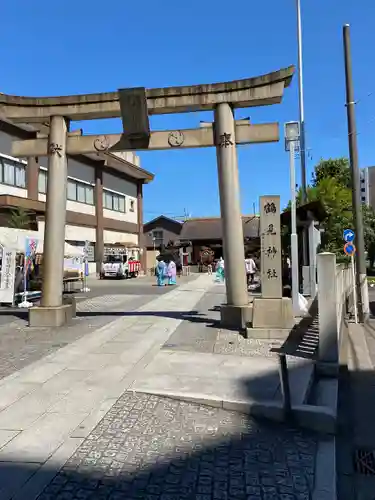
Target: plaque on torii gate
<point>135,106</point>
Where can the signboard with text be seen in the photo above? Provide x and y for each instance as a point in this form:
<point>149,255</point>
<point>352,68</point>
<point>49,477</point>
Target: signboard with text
<point>7,275</point>
<point>270,233</point>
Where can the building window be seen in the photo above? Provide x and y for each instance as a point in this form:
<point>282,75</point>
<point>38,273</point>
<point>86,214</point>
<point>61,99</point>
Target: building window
<point>113,201</point>
<point>132,204</point>
<point>42,182</point>
<point>12,172</point>
<point>157,237</point>
<point>79,191</point>
<point>363,190</point>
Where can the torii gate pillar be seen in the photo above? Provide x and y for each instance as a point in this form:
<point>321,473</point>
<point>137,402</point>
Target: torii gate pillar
<point>52,311</point>
<point>236,313</point>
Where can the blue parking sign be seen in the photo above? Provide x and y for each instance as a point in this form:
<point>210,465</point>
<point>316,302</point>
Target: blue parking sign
<point>348,235</point>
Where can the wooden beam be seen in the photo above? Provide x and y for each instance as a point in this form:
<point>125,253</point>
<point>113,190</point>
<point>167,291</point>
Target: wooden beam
<point>167,139</point>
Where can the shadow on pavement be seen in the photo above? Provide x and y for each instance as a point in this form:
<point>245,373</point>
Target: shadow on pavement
<point>155,448</point>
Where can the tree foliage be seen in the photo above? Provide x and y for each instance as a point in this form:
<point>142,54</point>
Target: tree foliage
<point>338,169</point>
<point>331,185</point>
<point>19,219</point>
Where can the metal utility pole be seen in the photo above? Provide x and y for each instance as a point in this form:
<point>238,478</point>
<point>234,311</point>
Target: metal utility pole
<point>361,278</point>
<point>305,241</point>
<point>293,235</point>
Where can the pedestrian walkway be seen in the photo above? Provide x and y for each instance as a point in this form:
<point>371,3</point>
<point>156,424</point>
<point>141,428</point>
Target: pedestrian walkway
<point>80,406</point>
<point>50,406</point>
<point>356,442</point>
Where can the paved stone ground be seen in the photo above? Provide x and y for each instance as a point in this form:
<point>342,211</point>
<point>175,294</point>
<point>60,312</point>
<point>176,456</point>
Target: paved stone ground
<point>357,415</point>
<point>21,345</point>
<point>201,333</point>
<point>159,449</point>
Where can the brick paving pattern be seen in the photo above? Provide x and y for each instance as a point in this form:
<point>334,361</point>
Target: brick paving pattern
<point>156,448</point>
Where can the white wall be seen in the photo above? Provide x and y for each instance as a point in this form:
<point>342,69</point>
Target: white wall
<point>126,217</point>
<point>13,191</point>
<point>82,208</point>
<point>116,237</point>
<point>130,157</point>
<point>74,206</point>
<point>75,233</point>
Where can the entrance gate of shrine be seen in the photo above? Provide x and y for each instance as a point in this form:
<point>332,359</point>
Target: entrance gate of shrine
<point>134,106</point>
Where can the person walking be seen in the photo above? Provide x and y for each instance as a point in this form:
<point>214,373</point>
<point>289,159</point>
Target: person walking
<point>220,272</point>
<point>161,270</point>
<point>171,273</point>
<point>251,269</point>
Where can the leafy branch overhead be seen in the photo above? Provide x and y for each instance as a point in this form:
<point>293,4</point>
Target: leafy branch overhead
<point>331,185</point>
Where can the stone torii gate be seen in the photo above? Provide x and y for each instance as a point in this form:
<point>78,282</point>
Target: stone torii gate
<point>134,107</point>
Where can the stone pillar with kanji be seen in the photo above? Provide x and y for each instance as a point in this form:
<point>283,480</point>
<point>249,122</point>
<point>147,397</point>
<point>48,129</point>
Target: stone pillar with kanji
<point>272,313</point>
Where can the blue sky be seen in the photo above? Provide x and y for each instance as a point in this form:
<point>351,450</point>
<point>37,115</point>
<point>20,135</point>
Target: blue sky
<point>65,47</point>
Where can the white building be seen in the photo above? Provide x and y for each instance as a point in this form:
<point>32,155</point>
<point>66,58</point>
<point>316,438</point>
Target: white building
<point>104,195</point>
<point>365,186</point>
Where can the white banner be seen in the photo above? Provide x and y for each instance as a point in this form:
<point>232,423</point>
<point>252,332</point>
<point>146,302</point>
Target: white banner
<point>7,276</point>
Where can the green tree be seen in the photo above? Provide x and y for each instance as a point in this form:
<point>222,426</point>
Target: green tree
<point>19,219</point>
<point>331,185</point>
<point>333,168</point>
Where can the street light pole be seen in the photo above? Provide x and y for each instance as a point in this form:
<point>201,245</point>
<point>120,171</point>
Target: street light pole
<point>292,135</point>
<point>305,242</point>
<point>293,234</point>
<point>301,103</point>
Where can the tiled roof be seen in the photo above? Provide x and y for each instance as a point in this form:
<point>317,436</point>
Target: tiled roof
<point>210,228</point>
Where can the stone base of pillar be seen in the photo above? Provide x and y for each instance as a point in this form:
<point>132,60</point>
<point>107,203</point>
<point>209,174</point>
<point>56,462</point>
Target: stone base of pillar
<point>50,317</point>
<point>235,317</point>
<point>273,314</point>
<point>306,280</point>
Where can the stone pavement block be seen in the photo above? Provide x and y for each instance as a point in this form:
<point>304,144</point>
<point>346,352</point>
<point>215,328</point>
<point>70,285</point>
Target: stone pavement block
<point>40,372</point>
<point>82,398</point>
<point>63,382</point>
<point>40,441</point>
<point>87,425</point>
<point>6,436</point>
<point>111,375</point>
<point>13,476</point>
<point>208,365</point>
<point>31,489</point>
<point>28,409</point>
<point>93,361</point>
<point>114,347</point>
<point>19,417</point>
<point>13,391</point>
<point>175,450</point>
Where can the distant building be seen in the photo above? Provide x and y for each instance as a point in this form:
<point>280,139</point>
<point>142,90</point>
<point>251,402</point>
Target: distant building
<point>365,187</point>
<point>104,195</point>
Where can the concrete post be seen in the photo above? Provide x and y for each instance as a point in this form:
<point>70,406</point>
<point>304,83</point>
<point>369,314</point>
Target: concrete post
<point>312,257</point>
<point>327,302</point>
<point>99,244</point>
<point>233,241</point>
<point>54,231</point>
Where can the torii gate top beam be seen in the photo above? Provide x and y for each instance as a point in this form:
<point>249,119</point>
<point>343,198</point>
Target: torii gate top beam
<point>258,91</point>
